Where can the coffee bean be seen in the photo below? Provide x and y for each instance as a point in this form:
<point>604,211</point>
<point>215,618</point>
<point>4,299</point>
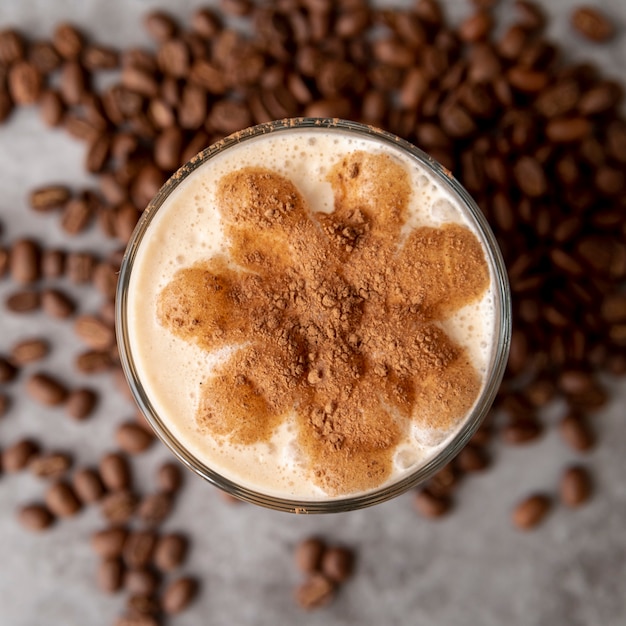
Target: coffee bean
<point>142,605</point>
<point>61,500</point>
<point>23,301</point>
<point>35,517</point>
<point>170,552</point>
<point>136,620</point>
<point>52,263</point>
<point>25,82</point>
<point>24,261</point>
<point>5,404</point>
<point>11,47</point>
<point>76,216</point>
<point>93,362</point>
<point>115,471</point>
<point>141,581</point>
<point>46,390</point>
<point>88,485</point>
<point>472,458</point>
<point>592,24</point>
<point>160,25</point>
<point>430,505</point>
<point>17,456</point>
<point>521,430</point>
<point>308,554</point>
<point>178,594</point>
<point>119,506</point>
<point>93,332</point>
<point>110,575</point>
<point>138,548</point>
<point>576,432</point>
<point>575,487</point>
<point>530,512</point>
<point>109,543</point>
<point>337,564</point>
<point>97,57</point>
<point>44,199</point>
<point>105,281</point>
<point>169,477</point>
<point>80,403</point>
<point>57,304</point>
<point>68,41</point>
<point>132,438</point>
<point>155,508</point>
<point>79,267</point>
<point>50,465</point>
<point>315,592</point>
<point>29,351</point>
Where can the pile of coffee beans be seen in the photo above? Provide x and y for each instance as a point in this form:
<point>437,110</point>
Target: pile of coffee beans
<point>539,141</point>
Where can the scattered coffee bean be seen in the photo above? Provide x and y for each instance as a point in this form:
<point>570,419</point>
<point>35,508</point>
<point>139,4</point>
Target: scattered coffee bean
<point>24,301</point>
<point>155,508</point>
<point>472,458</point>
<point>93,362</point>
<point>35,517</point>
<point>18,456</point>
<point>591,23</point>
<point>81,403</point>
<point>110,575</point>
<point>46,390</point>
<point>337,564</point>
<point>50,465</point>
<point>308,554</point>
<point>8,371</point>
<point>575,486</point>
<point>138,548</point>
<point>93,332</point>
<point>132,438</point>
<point>88,485</point>
<point>178,594</point>
<point>24,261</point>
<point>142,605</point>
<point>315,592</point>
<point>115,471</point>
<point>170,552</point>
<point>29,351</point>
<point>530,512</point>
<point>61,500</point>
<point>118,507</point>
<point>169,477</point>
<point>48,198</point>
<point>109,543</point>
<point>576,432</point>
<point>57,304</point>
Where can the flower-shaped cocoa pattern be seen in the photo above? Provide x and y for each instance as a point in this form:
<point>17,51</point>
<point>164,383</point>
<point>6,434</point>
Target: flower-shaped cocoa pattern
<point>334,317</point>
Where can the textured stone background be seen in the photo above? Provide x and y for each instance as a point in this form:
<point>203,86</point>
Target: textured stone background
<point>470,569</point>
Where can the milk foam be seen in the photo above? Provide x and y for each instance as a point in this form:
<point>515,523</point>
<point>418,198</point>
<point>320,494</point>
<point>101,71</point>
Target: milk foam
<point>187,229</point>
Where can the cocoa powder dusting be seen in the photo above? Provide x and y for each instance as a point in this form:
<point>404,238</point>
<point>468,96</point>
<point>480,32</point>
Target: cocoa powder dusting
<point>334,318</point>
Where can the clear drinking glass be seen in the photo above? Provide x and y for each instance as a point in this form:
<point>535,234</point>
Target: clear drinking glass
<point>499,352</point>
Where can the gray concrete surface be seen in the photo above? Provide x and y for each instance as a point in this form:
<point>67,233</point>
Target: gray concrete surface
<point>470,569</point>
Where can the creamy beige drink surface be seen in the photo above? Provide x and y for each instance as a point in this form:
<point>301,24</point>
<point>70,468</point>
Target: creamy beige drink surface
<point>311,314</point>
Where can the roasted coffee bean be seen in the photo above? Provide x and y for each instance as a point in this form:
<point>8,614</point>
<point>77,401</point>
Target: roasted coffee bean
<point>79,267</point>
<point>138,548</point>
<point>80,403</point>
<point>105,280</point>
<point>430,505</point>
<point>93,332</point>
<point>178,595</point>
<point>337,563</point>
<point>115,471</point>
<point>93,362</point>
<point>576,432</point>
<point>530,512</point>
<point>110,575</point>
<point>142,605</point>
<point>24,261</point>
<point>25,82</point>
<point>308,554</point>
<point>50,465</point>
<point>35,517</point>
<point>169,477</point>
<point>23,301</point>
<point>18,456</point>
<point>51,108</point>
<point>109,543</point>
<point>141,581</point>
<point>76,216</point>
<point>575,487</point>
<point>315,592</point>
<point>5,404</point>
<point>160,25</point>
<point>170,552</point>
<point>591,23</point>
<point>11,47</point>
<point>57,304</point>
<point>521,430</point>
<point>68,41</point>
<point>29,351</point>
<point>119,506</point>
<point>472,458</point>
<point>72,85</point>
<point>61,500</point>
<point>155,508</point>
<point>46,390</point>
<point>88,486</point>
<point>44,199</point>
<point>132,438</point>
<point>97,57</point>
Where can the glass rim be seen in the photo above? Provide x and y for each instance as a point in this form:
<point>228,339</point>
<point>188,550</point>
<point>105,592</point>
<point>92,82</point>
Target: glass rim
<point>494,375</point>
